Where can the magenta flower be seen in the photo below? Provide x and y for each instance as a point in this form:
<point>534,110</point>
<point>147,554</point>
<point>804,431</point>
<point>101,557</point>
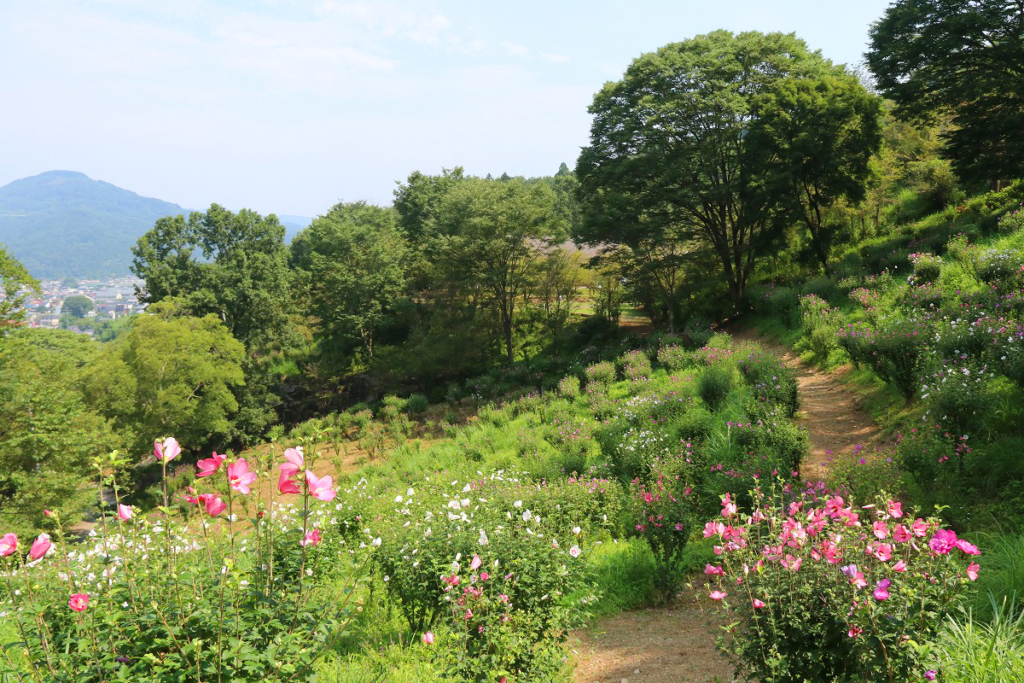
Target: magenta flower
<point>168,450</point>
<point>713,529</point>
<point>294,461</point>
<point>39,547</point>
<point>428,638</point>
<point>930,675</point>
<point>882,589</point>
<point>79,601</point>
<point>758,604</point>
<point>214,505</point>
<point>900,566</point>
<point>718,595</point>
<point>900,534</point>
<point>968,548</point>
<point>320,488</point>
<point>208,466</point>
<point>312,539</point>
<point>8,545</point>
<point>286,484</point>
<point>943,541</point>
<point>712,570</point>
<point>855,631</point>
<point>239,476</point>
<point>124,512</point>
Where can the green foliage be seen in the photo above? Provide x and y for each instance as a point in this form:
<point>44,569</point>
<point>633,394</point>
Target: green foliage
<point>569,387</point>
<point>13,277</point>
<point>47,433</point>
<point>972,650</point>
<point>714,384</point>
<point>170,374</point>
<point>233,266</point>
<point>919,53</point>
<point>600,374</point>
<point>417,404</point>
<point>698,331</point>
<point>770,380</point>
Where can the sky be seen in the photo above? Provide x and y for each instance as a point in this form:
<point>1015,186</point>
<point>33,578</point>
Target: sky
<point>291,106</point>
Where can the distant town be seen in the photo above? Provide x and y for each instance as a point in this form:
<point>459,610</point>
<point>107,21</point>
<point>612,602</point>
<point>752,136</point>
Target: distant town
<point>112,299</point>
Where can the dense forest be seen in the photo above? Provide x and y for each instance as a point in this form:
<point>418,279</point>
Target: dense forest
<point>525,398</point>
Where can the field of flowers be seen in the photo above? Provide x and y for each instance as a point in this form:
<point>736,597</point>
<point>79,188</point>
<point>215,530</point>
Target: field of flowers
<point>472,558</point>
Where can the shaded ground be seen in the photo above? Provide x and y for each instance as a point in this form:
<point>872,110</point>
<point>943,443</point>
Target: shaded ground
<point>678,644</point>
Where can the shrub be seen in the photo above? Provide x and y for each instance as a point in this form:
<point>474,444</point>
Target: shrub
<point>636,366</point>
<point>862,475</point>
<point>673,357</point>
<point>155,599</point>
<point>417,404</point>
<point>770,379</point>
<point>817,601</point>
<point>698,331</point>
<point>899,348</point>
<point>927,267</point>
<point>600,374</point>
<point>1012,221</point>
<point>714,384</point>
<point>569,387</point>
<point>821,322</point>
<point>1001,269</point>
<point>957,396</point>
<point>663,515</point>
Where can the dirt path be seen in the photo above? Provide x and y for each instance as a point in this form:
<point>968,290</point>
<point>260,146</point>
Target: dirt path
<point>829,412</point>
<point>663,645</point>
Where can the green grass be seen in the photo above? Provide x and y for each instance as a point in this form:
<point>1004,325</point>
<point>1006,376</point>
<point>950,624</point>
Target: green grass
<point>972,650</point>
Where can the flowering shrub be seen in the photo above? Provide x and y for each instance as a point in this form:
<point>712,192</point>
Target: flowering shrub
<point>957,395</point>
<point>663,514</point>
<point>927,267</point>
<point>833,592</point>
<point>897,350</point>
<point>1012,221</point>
<point>161,598</point>
<point>820,322</point>
<point>569,386</point>
<point>673,357</point>
<point>770,379</point>
<point>600,374</point>
<point>635,365</point>
<point>1002,269</point>
<point>698,331</point>
<point>862,475</point>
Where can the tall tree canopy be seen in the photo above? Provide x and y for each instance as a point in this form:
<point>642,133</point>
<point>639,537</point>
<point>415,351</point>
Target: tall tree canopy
<point>171,375</point>
<point>357,260</point>
<point>16,284</point>
<point>668,160</point>
<point>959,57</point>
<point>231,265</point>
<point>815,138</point>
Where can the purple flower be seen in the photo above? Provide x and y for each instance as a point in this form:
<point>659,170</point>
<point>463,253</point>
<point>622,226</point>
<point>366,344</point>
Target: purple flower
<point>850,570</point>
<point>930,674</point>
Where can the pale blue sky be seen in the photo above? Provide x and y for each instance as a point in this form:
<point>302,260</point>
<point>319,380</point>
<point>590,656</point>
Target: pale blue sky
<point>291,106</point>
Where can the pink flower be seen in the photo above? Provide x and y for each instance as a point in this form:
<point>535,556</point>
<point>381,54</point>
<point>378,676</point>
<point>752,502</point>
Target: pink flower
<point>930,675</point>
<point>855,631</point>
<point>294,461</point>
<point>943,541</point>
<point>484,576</point>
<point>895,509</point>
<point>8,545</point>
<point>881,531</point>
<point>475,563</point>
<point>758,604</point>
<point>214,505</point>
<point>286,484</point>
<point>883,551</point>
<point>168,450</point>
<point>712,570</point>
<point>792,563</point>
<point>966,547</point>
<point>428,638</point>
<point>713,529</point>
<point>320,488</point>
<point>208,466</point>
<point>124,512</point>
<point>900,566</point>
<point>920,528</point>
<point>312,538</point>
<point>240,477</point>
<point>718,595</point>
<point>728,506</point>
<point>972,571</point>
<point>39,547</point>
<point>882,590</point>
<point>79,601</point>
<point>191,498</point>
<point>900,534</point>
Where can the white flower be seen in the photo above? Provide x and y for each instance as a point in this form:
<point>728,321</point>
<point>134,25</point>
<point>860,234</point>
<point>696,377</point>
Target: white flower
<point>376,542</point>
<point>527,516</point>
<point>575,551</point>
<point>576,530</point>
<point>398,499</point>
<point>517,504</point>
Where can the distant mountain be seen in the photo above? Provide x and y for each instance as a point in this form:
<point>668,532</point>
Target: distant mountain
<point>62,223</point>
<point>293,225</point>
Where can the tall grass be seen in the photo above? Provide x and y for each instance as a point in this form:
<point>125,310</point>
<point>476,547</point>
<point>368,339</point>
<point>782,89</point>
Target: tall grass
<point>973,650</point>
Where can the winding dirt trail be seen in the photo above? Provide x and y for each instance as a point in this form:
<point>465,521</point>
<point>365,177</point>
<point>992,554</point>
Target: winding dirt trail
<point>678,644</point>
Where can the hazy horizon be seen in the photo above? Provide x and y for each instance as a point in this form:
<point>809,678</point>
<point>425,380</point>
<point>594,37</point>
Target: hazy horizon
<point>290,107</point>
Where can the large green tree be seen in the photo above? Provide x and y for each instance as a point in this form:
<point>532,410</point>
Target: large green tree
<point>230,265</point>
<point>47,432</point>
<point>668,160</point>
<point>815,138</point>
<point>486,238</point>
<point>77,306</point>
<point>357,261</point>
<point>171,375</point>
<point>964,58</point>
<point>16,284</point>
